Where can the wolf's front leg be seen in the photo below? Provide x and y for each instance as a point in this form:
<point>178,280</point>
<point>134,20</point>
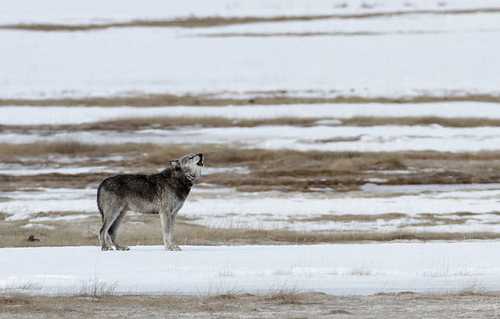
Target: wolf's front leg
<point>167,225</point>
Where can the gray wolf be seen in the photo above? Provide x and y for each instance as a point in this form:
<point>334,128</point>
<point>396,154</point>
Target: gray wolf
<point>162,193</point>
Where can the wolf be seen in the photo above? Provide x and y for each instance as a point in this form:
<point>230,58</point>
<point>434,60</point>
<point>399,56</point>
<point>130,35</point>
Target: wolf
<point>162,193</point>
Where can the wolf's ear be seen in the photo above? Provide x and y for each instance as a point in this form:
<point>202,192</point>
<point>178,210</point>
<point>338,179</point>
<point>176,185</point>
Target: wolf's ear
<point>175,163</point>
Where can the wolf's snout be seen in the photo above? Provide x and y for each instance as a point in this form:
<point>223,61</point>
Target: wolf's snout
<point>200,162</point>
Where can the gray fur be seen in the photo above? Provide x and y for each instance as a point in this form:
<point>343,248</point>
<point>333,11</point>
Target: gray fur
<point>162,193</point>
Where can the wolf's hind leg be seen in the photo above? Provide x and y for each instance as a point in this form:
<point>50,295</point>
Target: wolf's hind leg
<point>109,217</point>
<point>114,229</point>
<point>102,235</point>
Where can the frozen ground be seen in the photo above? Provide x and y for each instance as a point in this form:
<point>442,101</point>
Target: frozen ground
<point>42,65</point>
<point>385,138</point>
<point>77,115</point>
<point>94,11</point>
<point>344,269</point>
<point>426,208</point>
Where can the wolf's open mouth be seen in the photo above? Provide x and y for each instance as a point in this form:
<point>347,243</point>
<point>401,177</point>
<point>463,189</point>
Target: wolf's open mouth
<point>200,162</point>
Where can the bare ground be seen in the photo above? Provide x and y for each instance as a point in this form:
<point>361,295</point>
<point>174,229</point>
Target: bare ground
<point>278,305</point>
<point>257,98</point>
<point>282,170</point>
<point>144,229</point>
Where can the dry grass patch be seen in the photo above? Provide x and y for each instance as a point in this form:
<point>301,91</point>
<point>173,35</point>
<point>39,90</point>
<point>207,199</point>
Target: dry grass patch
<point>190,22</point>
<point>132,124</point>
<point>176,122</point>
<point>96,288</point>
<point>425,120</point>
<point>347,218</point>
<point>145,230</point>
<point>260,98</point>
<point>41,149</point>
<point>287,297</point>
<point>315,305</point>
<point>214,21</point>
<point>284,170</point>
<point>436,220</point>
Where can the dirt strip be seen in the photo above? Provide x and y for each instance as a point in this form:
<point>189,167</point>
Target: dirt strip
<point>255,98</point>
<point>281,304</point>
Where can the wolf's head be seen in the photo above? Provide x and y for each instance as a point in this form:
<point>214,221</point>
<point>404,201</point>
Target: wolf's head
<point>190,164</point>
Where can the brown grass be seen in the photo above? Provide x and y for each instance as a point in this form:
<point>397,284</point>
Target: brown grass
<point>287,297</point>
<point>311,305</point>
<point>222,155</point>
<point>270,98</point>
<point>41,149</point>
<point>131,124</point>
<point>429,219</point>
<point>425,120</point>
<point>269,169</point>
<point>355,218</point>
<point>145,230</point>
<point>204,22</point>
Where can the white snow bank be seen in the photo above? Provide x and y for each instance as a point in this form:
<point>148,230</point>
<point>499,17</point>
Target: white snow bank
<point>95,11</point>
<point>16,115</point>
<point>384,138</point>
<point>42,65</point>
<point>343,269</point>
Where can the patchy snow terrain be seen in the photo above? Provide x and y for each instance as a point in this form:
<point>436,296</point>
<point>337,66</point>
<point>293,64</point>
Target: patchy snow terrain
<point>426,208</point>
<point>378,50</point>
<point>338,269</point>
<point>384,138</point>
<point>15,115</point>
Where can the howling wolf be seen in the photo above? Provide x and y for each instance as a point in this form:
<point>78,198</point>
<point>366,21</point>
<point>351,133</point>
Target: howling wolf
<point>163,193</point>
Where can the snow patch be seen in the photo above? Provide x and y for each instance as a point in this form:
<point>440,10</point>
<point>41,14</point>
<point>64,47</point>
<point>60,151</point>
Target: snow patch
<point>343,269</point>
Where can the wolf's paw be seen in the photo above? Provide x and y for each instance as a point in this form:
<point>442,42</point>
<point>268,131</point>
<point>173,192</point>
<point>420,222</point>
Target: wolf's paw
<point>173,247</point>
<point>105,248</point>
<point>122,248</point>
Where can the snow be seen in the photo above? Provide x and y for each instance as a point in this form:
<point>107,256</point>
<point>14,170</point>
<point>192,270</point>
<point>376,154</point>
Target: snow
<point>344,269</point>
<point>397,189</point>
<point>15,115</point>
<point>94,11</point>
<point>227,208</point>
<point>59,218</point>
<point>42,65</point>
<point>28,170</point>
<point>405,25</point>
<point>38,169</point>
<point>383,138</point>
<point>23,204</point>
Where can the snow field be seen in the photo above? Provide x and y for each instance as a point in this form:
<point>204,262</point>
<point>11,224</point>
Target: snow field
<point>344,269</point>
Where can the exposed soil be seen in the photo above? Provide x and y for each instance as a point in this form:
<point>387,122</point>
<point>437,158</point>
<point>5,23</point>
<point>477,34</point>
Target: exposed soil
<point>144,229</point>
<point>278,305</point>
